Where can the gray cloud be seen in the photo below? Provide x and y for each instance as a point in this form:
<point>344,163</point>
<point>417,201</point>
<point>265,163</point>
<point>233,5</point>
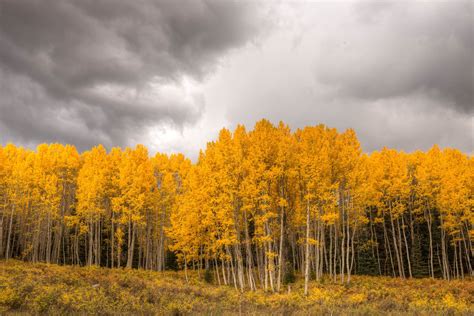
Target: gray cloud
<point>116,72</point>
<point>85,72</point>
<point>399,72</point>
<point>392,49</point>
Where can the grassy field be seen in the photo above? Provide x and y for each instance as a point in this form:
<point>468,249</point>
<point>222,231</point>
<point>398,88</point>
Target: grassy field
<point>52,289</point>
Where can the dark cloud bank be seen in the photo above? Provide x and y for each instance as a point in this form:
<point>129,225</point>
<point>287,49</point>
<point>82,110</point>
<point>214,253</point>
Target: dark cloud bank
<point>85,72</point>
<point>399,72</point>
<point>400,48</point>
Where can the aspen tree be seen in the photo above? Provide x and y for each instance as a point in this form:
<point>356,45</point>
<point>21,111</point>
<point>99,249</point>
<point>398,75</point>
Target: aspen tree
<point>92,200</point>
<point>255,205</point>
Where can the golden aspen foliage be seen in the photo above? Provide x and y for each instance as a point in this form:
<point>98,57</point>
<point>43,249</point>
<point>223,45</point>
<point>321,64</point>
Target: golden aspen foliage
<point>258,209</point>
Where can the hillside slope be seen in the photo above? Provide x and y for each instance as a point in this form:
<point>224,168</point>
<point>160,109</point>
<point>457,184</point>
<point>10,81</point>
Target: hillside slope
<point>53,289</point>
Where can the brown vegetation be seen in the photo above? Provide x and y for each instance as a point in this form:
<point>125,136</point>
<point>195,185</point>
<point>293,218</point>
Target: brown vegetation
<point>53,289</point>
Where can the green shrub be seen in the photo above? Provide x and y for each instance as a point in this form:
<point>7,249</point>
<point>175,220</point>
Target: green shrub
<point>289,276</point>
<point>208,277</point>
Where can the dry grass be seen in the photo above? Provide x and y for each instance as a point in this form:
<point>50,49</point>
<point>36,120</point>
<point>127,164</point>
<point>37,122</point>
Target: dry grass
<point>52,289</point>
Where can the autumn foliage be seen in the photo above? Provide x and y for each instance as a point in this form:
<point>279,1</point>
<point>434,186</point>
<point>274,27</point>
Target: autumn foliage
<point>256,205</point>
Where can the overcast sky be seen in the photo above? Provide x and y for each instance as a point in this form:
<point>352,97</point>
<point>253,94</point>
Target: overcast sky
<point>170,74</point>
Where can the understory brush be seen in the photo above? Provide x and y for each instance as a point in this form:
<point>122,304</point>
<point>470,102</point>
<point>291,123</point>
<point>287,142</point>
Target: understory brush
<point>51,289</point>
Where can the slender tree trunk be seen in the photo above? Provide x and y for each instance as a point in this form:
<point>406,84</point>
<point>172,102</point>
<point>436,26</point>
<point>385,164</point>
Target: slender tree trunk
<point>395,247</point>
<point>343,241</point>
<point>131,246</point>
<point>306,271</point>
<point>406,248</point>
<point>281,253</point>
<point>387,245</point>
<point>186,269</point>
<point>428,222</point>
<point>468,254</point>
<point>446,272</point>
<point>10,227</point>
<point>112,237</point>
<point>249,255</point>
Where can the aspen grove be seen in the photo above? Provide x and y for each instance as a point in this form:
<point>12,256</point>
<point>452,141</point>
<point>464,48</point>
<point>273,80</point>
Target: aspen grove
<point>256,207</point>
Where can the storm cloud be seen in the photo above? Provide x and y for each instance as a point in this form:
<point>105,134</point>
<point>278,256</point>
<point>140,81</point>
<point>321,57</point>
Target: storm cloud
<point>170,74</point>
<point>87,72</point>
<point>399,72</point>
<point>392,49</point>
